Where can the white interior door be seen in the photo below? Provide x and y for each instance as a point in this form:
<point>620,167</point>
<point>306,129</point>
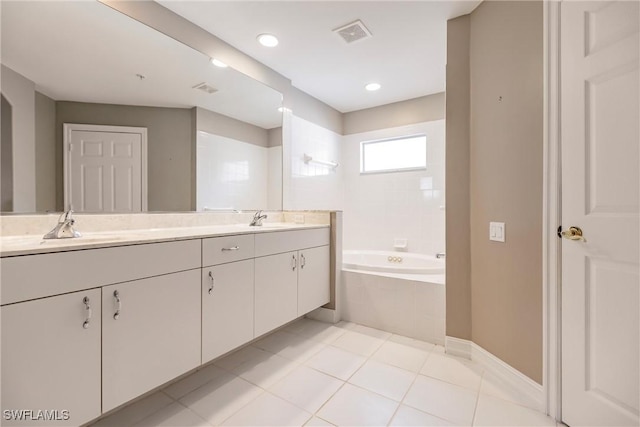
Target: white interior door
<point>600,192</point>
<point>104,169</point>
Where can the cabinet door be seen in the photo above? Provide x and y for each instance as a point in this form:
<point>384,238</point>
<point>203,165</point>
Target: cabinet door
<point>51,358</point>
<point>276,291</point>
<point>227,308</point>
<point>313,279</point>
<point>150,334</point>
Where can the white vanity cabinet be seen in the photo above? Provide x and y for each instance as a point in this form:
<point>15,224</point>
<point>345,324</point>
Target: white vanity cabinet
<point>291,283</point>
<point>227,307</point>
<point>150,334</point>
<point>276,291</point>
<point>88,330</point>
<point>227,294</point>
<point>313,279</point>
<point>51,357</point>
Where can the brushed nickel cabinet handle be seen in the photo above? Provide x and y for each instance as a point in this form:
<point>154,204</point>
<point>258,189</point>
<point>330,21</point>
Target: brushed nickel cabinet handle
<point>116,295</point>
<point>87,305</point>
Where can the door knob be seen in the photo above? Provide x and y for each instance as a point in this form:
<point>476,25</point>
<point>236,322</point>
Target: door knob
<point>573,233</point>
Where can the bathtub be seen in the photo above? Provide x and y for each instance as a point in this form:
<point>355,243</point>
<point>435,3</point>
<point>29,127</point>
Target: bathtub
<point>397,292</point>
<point>392,262</point>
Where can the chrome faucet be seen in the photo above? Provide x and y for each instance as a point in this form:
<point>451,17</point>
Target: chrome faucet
<point>440,255</point>
<point>257,219</point>
<point>64,228</point>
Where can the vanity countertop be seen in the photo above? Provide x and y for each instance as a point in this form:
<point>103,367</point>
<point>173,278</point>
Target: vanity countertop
<point>32,244</point>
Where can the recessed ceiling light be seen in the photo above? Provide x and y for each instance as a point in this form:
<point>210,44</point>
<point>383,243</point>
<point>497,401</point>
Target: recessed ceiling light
<point>372,86</point>
<point>268,40</point>
<point>281,109</point>
<point>218,63</point>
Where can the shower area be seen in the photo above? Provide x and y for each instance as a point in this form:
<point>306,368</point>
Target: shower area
<point>394,232</point>
<point>393,229</point>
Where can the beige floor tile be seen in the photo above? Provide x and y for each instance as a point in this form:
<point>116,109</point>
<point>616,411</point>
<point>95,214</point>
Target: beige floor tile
<point>353,406</point>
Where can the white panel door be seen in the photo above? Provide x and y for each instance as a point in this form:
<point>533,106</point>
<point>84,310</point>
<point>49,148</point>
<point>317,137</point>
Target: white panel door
<point>104,171</point>
<point>600,192</point>
<point>51,358</point>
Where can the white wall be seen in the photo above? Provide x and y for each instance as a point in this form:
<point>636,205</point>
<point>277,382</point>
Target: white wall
<point>379,208</point>
<point>312,186</point>
<point>231,174</point>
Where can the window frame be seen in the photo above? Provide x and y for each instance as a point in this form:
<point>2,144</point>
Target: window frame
<point>395,138</point>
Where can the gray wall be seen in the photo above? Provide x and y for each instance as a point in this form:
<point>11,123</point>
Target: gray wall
<point>417,110</point>
<point>505,54</point>
<point>458,197</point>
<point>275,137</point>
<point>20,93</point>
<point>309,108</point>
<point>171,147</point>
<point>217,124</point>
<point>6,158</point>
<point>45,153</point>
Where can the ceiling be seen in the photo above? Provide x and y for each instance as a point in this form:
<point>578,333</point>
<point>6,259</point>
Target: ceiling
<point>87,52</point>
<point>406,53</point>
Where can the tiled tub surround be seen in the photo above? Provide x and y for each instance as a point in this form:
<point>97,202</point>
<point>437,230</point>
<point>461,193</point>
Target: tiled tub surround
<point>132,314</point>
<point>382,207</point>
<point>412,305</point>
<point>317,374</point>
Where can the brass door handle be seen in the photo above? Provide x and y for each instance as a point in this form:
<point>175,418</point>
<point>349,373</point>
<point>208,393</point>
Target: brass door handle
<point>573,233</point>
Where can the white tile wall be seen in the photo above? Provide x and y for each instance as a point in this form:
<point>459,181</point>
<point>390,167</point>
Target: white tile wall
<point>379,208</point>
<point>233,174</point>
<point>312,186</point>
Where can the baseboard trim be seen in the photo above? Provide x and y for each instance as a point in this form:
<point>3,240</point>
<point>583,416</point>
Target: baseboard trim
<point>322,314</point>
<point>458,347</point>
<point>505,372</point>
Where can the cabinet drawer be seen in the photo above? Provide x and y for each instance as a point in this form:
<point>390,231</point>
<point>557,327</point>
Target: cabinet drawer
<point>220,250</point>
<point>285,241</point>
<point>36,276</point>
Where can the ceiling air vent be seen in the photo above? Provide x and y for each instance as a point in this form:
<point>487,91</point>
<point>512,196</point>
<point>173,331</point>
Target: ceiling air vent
<point>353,32</point>
<point>205,87</point>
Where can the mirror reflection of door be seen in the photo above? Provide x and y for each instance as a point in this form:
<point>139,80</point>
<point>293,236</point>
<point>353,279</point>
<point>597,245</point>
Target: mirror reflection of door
<point>105,168</point>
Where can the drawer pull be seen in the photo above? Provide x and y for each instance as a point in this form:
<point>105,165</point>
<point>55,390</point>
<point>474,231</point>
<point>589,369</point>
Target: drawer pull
<point>232,248</point>
<point>212,282</point>
<point>303,261</point>
<point>86,322</point>
<point>294,262</point>
<point>116,295</point>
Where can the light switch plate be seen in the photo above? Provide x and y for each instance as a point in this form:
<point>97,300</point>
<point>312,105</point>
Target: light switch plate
<point>497,231</point>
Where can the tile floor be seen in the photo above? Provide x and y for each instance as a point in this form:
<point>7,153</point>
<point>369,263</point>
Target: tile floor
<point>316,374</point>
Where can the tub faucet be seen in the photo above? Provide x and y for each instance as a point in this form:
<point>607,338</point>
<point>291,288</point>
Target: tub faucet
<point>440,255</point>
<point>64,228</point>
<point>257,219</point>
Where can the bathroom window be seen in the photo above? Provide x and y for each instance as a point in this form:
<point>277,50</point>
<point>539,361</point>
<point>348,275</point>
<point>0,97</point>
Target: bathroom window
<point>394,155</point>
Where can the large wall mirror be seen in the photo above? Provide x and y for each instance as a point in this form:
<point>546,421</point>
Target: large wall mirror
<point>213,135</point>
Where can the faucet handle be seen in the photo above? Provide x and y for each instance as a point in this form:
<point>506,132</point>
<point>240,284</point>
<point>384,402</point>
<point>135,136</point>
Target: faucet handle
<point>66,216</point>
